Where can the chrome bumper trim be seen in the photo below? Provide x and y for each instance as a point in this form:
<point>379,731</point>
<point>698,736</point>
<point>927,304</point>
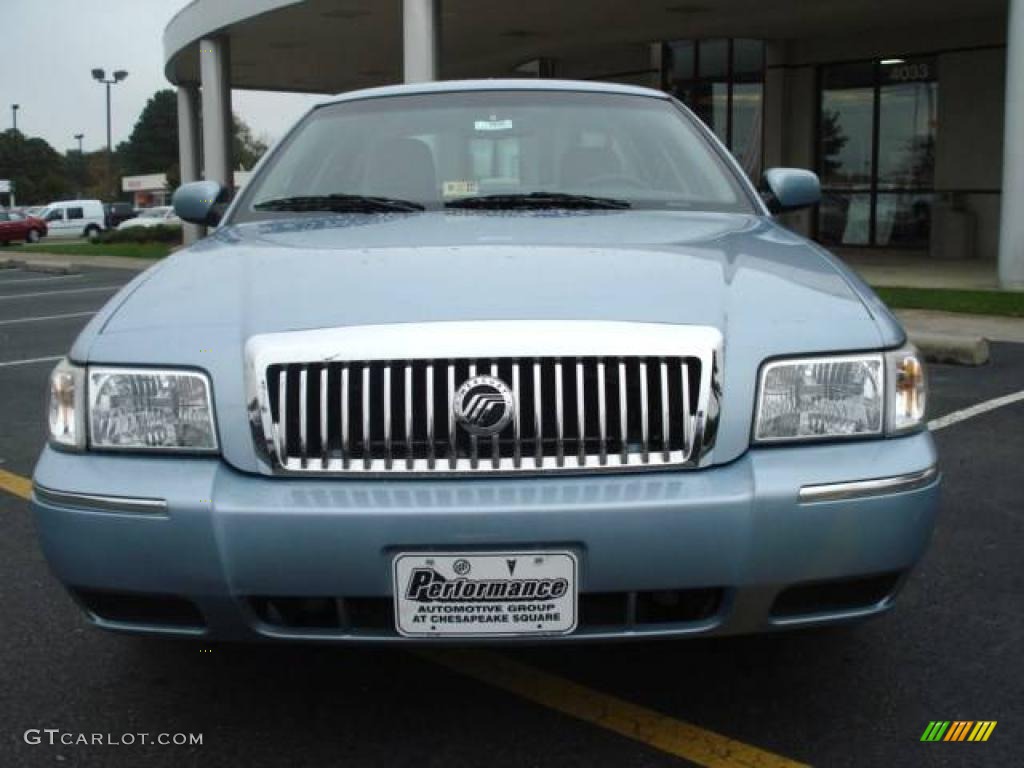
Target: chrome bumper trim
<point>856,489</point>
<point>88,501</point>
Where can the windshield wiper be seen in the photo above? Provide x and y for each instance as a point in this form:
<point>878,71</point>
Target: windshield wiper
<point>537,200</point>
<point>338,203</point>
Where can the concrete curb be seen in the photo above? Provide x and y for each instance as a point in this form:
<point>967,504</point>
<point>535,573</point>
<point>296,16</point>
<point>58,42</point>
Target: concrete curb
<point>49,267</point>
<point>108,262</point>
<point>45,267</point>
<point>949,348</point>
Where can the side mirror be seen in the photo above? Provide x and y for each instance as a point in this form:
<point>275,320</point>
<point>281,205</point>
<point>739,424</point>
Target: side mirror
<point>200,202</point>
<point>790,189</point>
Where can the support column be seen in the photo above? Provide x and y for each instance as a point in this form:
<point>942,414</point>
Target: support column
<point>188,148</point>
<point>1011,225</point>
<point>215,73</point>
<point>421,22</point>
<point>774,105</point>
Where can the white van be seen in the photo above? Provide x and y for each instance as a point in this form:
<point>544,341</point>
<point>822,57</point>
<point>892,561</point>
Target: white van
<point>74,218</point>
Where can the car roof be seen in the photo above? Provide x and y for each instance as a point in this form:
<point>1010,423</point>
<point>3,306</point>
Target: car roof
<point>463,86</point>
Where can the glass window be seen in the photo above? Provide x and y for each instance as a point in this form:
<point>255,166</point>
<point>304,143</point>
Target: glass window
<point>844,219</point>
<point>877,132</point>
<point>432,149</point>
<point>906,135</point>
<point>747,57</point>
<point>713,58</point>
<point>903,219</point>
<point>747,102</point>
<point>722,82</point>
<point>75,213</point>
<point>681,60</point>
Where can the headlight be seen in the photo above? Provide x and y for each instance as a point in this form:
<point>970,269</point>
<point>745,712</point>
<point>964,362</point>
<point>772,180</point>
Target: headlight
<point>66,411</point>
<point>144,409</point>
<point>841,396</point>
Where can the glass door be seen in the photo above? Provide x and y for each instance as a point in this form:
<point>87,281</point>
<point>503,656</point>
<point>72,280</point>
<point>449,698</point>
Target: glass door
<point>876,152</point>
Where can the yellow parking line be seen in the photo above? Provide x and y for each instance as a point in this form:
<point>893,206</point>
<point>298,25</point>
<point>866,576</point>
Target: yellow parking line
<point>654,729</point>
<point>16,484</point>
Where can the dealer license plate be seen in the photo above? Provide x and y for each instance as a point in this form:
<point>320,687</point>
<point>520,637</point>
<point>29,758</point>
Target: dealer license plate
<point>485,595</point>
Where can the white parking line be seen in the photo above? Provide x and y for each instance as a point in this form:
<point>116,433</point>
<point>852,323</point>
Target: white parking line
<point>975,410</point>
<point>46,317</point>
<point>59,293</point>
<point>41,279</point>
<point>12,363</point>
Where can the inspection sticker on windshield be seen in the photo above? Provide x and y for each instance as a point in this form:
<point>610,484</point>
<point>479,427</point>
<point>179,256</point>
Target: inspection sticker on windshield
<point>493,594</point>
<point>494,124</point>
<point>460,188</point>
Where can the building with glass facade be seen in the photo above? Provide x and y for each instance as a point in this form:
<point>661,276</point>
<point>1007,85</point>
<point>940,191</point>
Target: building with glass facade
<point>911,111</point>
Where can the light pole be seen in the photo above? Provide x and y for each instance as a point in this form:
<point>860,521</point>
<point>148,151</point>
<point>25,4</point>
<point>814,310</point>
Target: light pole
<point>100,76</point>
<point>81,163</point>
<point>14,114</point>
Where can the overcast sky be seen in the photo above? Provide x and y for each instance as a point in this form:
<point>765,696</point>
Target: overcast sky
<point>49,48</point>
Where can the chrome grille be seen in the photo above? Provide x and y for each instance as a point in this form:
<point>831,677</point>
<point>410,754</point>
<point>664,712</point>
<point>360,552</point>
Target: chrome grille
<point>331,413</point>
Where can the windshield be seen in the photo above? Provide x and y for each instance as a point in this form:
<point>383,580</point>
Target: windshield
<point>155,213</point>
<point>491,149</point>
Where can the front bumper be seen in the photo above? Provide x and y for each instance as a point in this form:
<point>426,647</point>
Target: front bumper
<point>226,542</point>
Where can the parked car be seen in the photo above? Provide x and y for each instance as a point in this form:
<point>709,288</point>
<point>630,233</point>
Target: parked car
<point>163,215</point>
<point>117,213</point>
<point>528,360</point>
<point>17,227</point>
<point>75,218</point>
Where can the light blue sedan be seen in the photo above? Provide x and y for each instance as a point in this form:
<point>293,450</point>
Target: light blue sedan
<point>489,361</point>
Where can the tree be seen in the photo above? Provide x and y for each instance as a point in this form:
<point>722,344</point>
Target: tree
<point>833,139</point>
<point>38,171</point>
<point>247,149</point>
<point>153,144</point>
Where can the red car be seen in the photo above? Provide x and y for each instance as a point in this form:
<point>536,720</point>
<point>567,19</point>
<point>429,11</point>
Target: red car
<point>18,226</point>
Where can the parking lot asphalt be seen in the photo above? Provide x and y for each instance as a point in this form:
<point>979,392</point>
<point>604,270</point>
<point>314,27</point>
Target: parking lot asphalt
<point>862,695</point>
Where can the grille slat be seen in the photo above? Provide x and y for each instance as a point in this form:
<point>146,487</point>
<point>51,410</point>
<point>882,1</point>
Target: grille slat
<point>666,423</point>
<point>367,454</point>
<point>687,420</point>
<point>559,416</point>
<point>538,417</point>
<point>623,413</point>
<point>581,415</point>
<point>495,441</point>
<point>645,411</point>
<point>602,412</point>
<point>387,409</point>
<point>474,442</point>
<point>408,416</point>
<point>303,414</point>
<point>453,451</point>
<point>281,424</point>
<point>517,445</point>
<point>570,413</point>
<point>346,421</point>
<point>431,451</point>
<point>323,418</point>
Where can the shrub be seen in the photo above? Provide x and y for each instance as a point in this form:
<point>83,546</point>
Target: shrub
<point>159,234</point>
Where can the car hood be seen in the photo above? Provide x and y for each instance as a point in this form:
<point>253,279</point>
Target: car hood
<point>767,290</point>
